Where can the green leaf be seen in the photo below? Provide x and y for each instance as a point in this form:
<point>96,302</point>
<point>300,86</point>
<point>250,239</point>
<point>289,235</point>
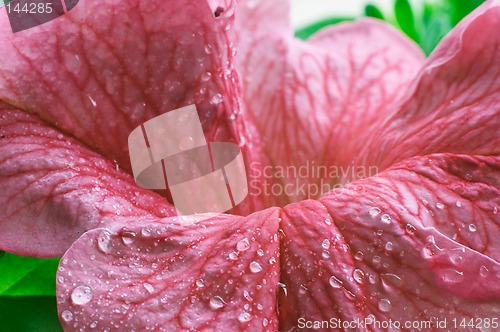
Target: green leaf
<point>309,30</point>
<point>461,8</point>
<point>373,11</point>
<point>405,19</point>
<point>28,314</point>
<point>436,23</point>
<point>27,276</point>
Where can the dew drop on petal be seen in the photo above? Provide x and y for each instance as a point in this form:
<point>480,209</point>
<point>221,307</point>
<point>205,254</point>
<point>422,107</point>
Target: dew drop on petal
<point>265,322</point>
<point>358,256</point>
<point>200,283</point>
<point>440,205</point>
<point>451,276</point>
<point>67,316</point>
<point>255,267</point>
<point>233,256</point>
<point>335,282</point>
<point>384,305</point>
<point>386,219</point>
<point>326,254</point>
<point>104,242</point>
<point>216,99</point>
<point>260,252</point>
<point>458,204</point>
<point>326,244</point>
<point>146,232</point>
<point>128,238</point>
<point>81,295</point>
<point>244,317</point>
<point>358,276</point>
<point>410,229</point>
<point>483,271</point>
<point>217,302</point>
<point>375,211</point>
<point>472,228</point>
<point>243,245</point>
<point>328,221</point>
<point>149,288</point>
<point>389,246</point>
<point>205,77</point>
<point>93,325</point>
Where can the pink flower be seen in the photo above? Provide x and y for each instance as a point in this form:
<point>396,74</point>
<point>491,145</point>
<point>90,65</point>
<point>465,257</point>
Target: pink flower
<point>416,242</point>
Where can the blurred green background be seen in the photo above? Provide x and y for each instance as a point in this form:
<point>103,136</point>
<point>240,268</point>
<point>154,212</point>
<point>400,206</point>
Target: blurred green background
<point>27,285</point>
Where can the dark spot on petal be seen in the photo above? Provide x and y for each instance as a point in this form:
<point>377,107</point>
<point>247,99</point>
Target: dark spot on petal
<point>218,11</point>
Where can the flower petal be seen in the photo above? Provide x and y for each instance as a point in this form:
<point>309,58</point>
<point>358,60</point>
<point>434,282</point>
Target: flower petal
<point>414,243</point>
<point>106,67</point>
<point>54,189</point>
<point>312,101</point>
<point>217,274</point>
<point>454,105</point>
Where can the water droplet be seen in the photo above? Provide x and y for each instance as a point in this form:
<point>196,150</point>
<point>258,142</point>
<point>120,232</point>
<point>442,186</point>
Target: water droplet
<point>81,295</point>
<point>440,205</point>
<point>205,77</point>
<point>376,260</point>
<point>146,232</point>
<point>200,283</point>
<point>458,204</point>
<point>60,279</point>
<point>326,244</point>
<point>384,305</point>
<point>451,276</point>
<point>335,282</point>
<point>358,256</point>
<point>244,317</point>
<point>104,242</point>
<point>410,229</point>
<point>328,221</point>
<point>216,99</point>
<point>272,260</point>
<point>372,279</point>
<point>386,219</point>
<point>243,245</point>
<point>260,252</point>
<point>483,271</point>
<point>233,256</point>
<point>255,267</point>
<point>208,49</point>
<point>92,101</point>
<point>217,302</point>
<point>93,325</point>
<point>495,210</point>
<point>67,316</point>
<point>472,228</point>
<point>358,275</point>
<point>128,238</point>
<point>389,246</point>
<point>375,211</point>
<point>390,279</point>
<point>325,254</point>
<point>265,322</point>
<point>247,296</point>
<point>149,288</point>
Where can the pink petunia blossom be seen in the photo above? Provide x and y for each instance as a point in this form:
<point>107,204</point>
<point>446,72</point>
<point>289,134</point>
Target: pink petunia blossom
<point>416,242</point>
